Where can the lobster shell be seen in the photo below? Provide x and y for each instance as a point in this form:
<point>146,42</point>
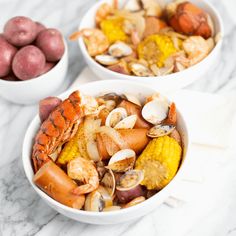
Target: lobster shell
<point>58,128</point>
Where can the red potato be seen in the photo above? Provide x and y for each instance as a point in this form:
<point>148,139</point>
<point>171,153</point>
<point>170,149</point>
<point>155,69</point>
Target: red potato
<point>39,27</point>
<point>50,41</point>
<point>20,31</point>
<point>7,52</point>
<point>10,77</point>
<point>28,62</point>
<point>48,66</point>
<point>126,196</point>
<point>46,106</point>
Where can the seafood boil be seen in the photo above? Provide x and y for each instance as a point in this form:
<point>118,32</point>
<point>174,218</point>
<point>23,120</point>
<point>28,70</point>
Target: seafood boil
<point>105,153</point>
<point>149,38</point>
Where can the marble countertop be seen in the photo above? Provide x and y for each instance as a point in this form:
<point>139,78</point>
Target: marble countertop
<point>22,212</point>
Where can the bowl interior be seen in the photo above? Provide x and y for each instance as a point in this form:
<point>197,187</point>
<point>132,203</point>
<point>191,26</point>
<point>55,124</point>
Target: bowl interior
<point>89,22</point>
<point>94,89</point>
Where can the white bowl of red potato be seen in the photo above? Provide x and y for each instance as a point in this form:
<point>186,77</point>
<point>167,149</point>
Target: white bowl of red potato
<point>111,217</point>
<point>34,61</point>
<point>168,82</point>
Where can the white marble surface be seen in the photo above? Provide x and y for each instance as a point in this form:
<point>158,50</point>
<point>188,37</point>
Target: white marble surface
<point>22,212</point>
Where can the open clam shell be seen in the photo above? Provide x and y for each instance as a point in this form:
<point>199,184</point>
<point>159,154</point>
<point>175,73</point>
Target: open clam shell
<point>115,116</point>
<point>122,161</point>
<point>109,182</point>
<point>106,60</point>
<point>160,130</point>
<point>139,69</point>
<point>133,99</point>
<point>130,180</point>
<point>120,49</point>
<point>155,111</point>
<point>98,200</point>
<point>127,123</point>
<point>94,201</point>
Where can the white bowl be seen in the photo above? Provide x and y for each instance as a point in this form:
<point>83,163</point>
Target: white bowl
<point>96,88</point>
<point>165,83</point>
<point>33,90</point>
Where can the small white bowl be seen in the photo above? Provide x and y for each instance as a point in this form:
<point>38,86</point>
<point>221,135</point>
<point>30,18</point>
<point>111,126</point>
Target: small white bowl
<point>165,83</point>
<point>94,89</point>
<point>33,90</point>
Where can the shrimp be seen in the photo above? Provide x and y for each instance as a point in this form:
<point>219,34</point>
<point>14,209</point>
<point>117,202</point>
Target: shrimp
<point>196,48</point>
<point>83,170</point>
<point>103,11</point>
<point>95,40</point>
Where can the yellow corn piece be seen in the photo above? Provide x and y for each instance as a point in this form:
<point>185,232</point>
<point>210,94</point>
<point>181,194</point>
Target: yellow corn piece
<point>113,29</point>
<point>159,161</point>
<point>74,148</point>
<point>155,49</point>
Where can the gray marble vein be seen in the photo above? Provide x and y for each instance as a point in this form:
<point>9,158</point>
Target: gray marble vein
<point>22,212</point>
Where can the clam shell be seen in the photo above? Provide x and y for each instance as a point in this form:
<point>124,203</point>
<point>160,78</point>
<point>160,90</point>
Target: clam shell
<point>127,123</point>
<point>122,161</point>
<point>129,180</point>
<point>109,182</point>
<point>115,116</point>
<point>155,111</point>
<point>132,99</point>
<point>140,70</point>
<point>120,49</point>
<point>160,130</point>
<point>94,202</point>
<point>106,197</point>
<point>106,60</point>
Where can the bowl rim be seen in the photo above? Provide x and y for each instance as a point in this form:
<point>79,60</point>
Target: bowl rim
<point>144,204</point>
<point>190,69</point>
<point>43,76</point>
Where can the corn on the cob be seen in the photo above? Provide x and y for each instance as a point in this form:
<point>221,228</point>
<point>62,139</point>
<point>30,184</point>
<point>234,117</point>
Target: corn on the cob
<point>112,28</point>
<point>155,49</point>
<point>73,148</point>
<point>159,161</point>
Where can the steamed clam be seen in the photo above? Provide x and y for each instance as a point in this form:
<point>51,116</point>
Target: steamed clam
<point>109,182</point>
<point>115,116</point>
<point>139,69</point>
<point>98,200</point>
<point>122,161</point>
<point>127,123</point>
<point>155,111</point>
<point>119,119</point>
<point>133,99</point>
<point>106,60</point>
<point>130,180</point>
<point>94,202</point>
<point>160,130</point>
<point>120,49</point>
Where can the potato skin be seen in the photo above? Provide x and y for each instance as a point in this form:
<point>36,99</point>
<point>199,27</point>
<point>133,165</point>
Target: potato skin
<point>28,62</point>
<point>10,77</point>
<point>48,66</point>
<point>46,106</point>
<point>39,27</point>
<point>50,41</point>
<point>7,52</point>
<point>126,196</point>
<point>20,31</point>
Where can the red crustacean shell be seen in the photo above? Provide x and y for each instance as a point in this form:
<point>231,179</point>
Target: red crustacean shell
<point>190,20</point>
<point>58,128</point>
